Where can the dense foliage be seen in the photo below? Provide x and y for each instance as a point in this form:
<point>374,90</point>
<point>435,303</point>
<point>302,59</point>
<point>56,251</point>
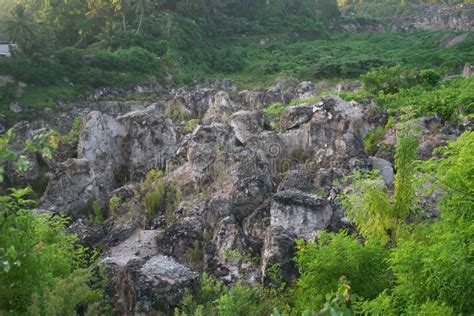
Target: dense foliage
<point>42,269</point>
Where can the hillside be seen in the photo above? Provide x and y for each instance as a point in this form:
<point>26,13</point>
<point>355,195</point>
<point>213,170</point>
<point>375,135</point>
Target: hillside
<point>236,158</point>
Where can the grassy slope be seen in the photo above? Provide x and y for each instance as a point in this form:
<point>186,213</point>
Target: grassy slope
<point>343,56</point>
<point>348,55</point>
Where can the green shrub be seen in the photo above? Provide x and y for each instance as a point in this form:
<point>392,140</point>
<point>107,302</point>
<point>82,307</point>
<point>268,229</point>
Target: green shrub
<point>448,100</point>
<point>98,216</point>
<point>303,101</point>
<point>429,77</point>
<point>274,110</point>
<point>372,140</point>
<point>161,196</point>
<point>377,216</point>
<point>42,270</point>
<point>432,263</point>
<point>114,203</point>
<point>323,263</point>
<point>191,125</point>
<point>41,97</point>
<point>389,80</point>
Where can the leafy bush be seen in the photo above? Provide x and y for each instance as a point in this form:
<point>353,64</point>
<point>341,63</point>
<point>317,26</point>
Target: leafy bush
<point>213,297</point>
<point>378,217</point>
<point>323,263</point>
<point>161,196</point>
<point>429,77</point>
<point>389,80</point>
<point>372,139</point>
<point>448,100</point>
<point>41,97</point>
<point>42,269</point>
<point>432,263</point>
<point>191,125</point>
<point>274,110</point>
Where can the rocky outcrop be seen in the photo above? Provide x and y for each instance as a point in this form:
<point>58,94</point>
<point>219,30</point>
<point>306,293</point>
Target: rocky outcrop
<point>143,281</point>
<point>247,124</point>
<point>220,108</point>
<point>277,257</point>
<point>110,149</point>
<point>300,213</point>
<point>385,168</point>
<point>436,17</point>
<point>244,191</point>
<point>295,116</point>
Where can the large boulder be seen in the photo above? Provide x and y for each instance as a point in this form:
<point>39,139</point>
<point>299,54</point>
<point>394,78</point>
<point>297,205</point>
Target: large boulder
<point>247,124</point>
<point>71,190</point>
<point>298,179</point>
<point>336,132</point>
<point>183,241</point>
<point>109,150</point>
<point>295,116</point>
<point>385,168</point>
<point>233,253</point>
<point>149,141</point>
<point>191,102</point>
<point>300,213</point>
<point>141,280</point>
<point>220,108</point>
<point>278,251</point>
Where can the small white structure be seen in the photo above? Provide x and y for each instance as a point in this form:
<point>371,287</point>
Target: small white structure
<point>5,49</point>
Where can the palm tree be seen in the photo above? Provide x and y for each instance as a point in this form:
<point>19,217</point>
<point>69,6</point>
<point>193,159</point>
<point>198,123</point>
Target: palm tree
<point>20,28</point>
<point>122,6</point>
<point>141,7</point>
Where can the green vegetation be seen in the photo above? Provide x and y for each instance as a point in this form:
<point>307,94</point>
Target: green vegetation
<point>69,47</point>
<point>377,217</point>
<point>274,110</point>
<point>213,297</point>
<point>321,265</point>
<point>161,196</point>
<point>191,125</point>
<point>42,269</point>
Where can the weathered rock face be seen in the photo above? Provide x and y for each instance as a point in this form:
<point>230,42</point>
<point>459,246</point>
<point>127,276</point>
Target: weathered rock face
<point>300,213</point>
<point>385,168</point>
<point>298,179</point>
<point>295,116</point>
<point>110,149</point>
<point>336,133</point>
<point>149,140</point>
<point>436,17</point>
<point>279,250</point>
<point>220,108</point>
<point>144,281</point>
<point>247,124</point>
<point>71,190</point>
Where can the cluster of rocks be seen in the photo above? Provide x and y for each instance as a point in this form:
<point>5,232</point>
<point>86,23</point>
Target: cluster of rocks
<point>431,17</point>
<point>247,191</point>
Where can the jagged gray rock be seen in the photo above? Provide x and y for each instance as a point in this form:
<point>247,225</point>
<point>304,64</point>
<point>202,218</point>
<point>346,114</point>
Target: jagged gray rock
<point>295,116</point>
<point>385,168</point>
<point>247,124</point>
<point>300,213</point>
<point>110,149</point>
<point>278,251</point>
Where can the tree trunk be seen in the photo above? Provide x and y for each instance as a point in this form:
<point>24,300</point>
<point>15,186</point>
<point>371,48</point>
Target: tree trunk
<point>140,24</point>
<point>124,22</point>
